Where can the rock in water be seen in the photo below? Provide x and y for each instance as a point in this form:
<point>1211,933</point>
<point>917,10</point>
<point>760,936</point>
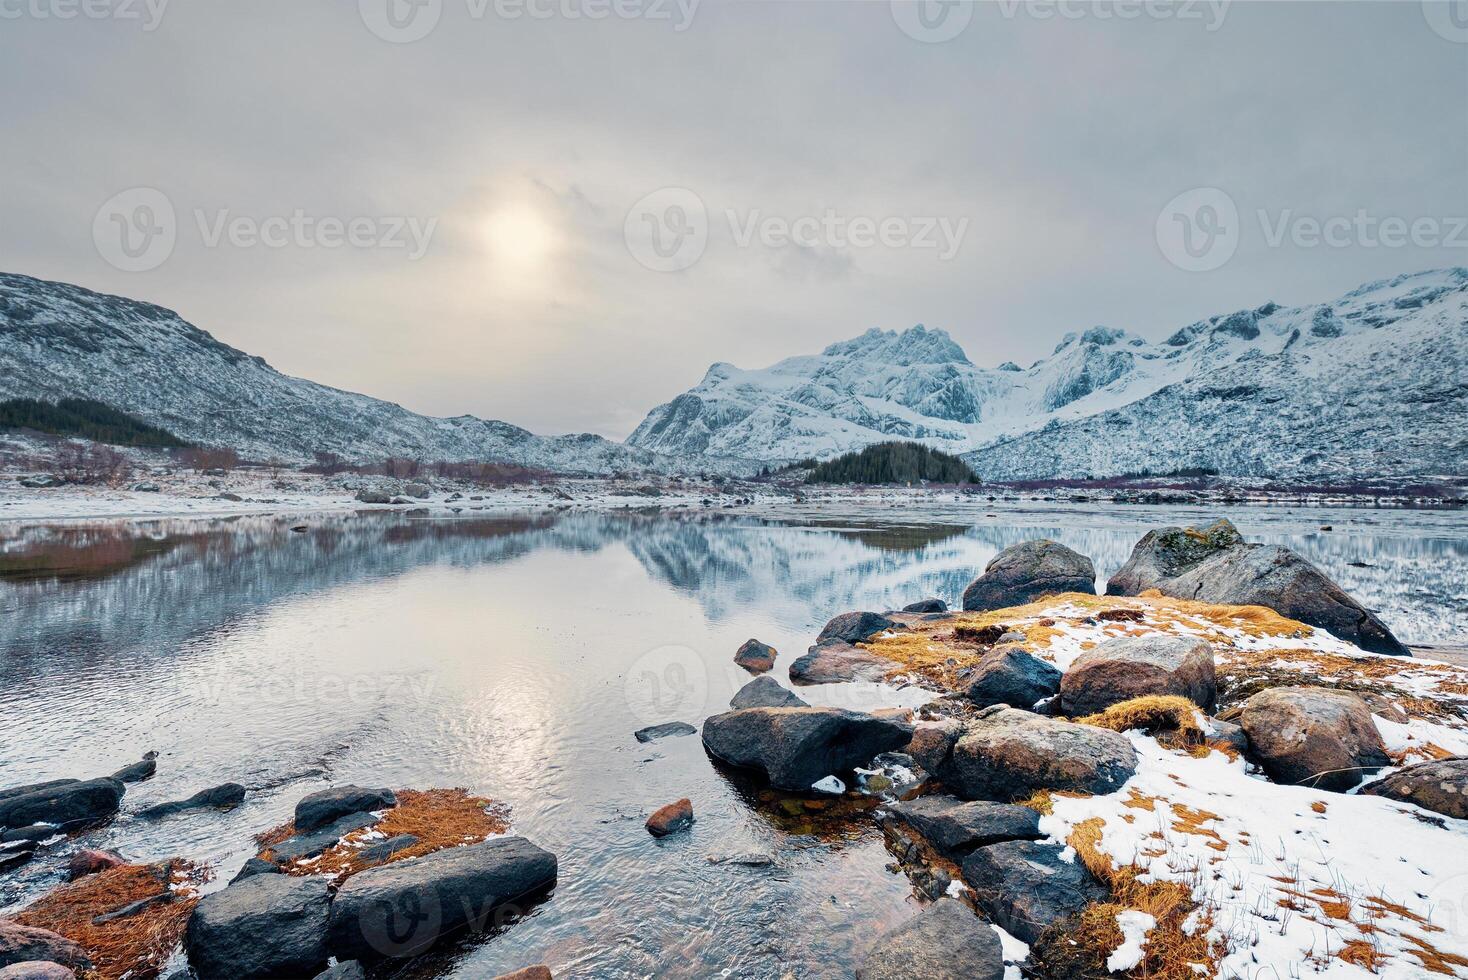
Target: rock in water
<point>24,944</point>
<point>1027,571</point>
<point>926,606</point>
<point>671,819</point>
<point>1006,754</point>
<point>1133,666</point>
<point>1440,786</point>
<point>1025,886</point>
<point>669,729</point>
<point>529,973</point>
<point>264,926</point>
<point>226,796</point>
<point>347,970</point>
<point>1216,565</point>
<point>853,627</point>
<point>755,657</point>
<point>63,802</point>
<point>954,828</point>
<point>796,747</point>
<point>313,842</point>
<point>1011,676</point>
<point>255,866</point>
<point>945,941</point>
<point>766,692</point>
<point>838,662</point>
<point>1313,736</point>
<point>143,769</point>
<point>322,807</point>
<point>89,861</point>
<point>403,908</point>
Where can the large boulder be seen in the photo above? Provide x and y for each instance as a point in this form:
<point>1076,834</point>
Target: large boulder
<point>853,627</point>
<point>1025,886</point>
<point>837,662</point>
<point>263,926</point>
<point>945,941</point>
<point>63,802</point>
<point>324,806</point>
<point>1313,736</point>
<point>313,842</point>
<point>225,796</point>
<point>755,657</point>
<point>1216,565</point>
<point>796,747</point>
<point>954,827</point>
<point>401,909</point>
<point>1440,786</point>
<point>26,944</point>
<point>766,692</point>
<point>1133,666</point>
<point>1012,676</point>
<point>1006,754</point>
<point>1027,571</point>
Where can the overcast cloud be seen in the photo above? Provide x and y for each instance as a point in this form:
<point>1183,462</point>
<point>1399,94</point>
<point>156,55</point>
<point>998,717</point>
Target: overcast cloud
<point>1004,184</point>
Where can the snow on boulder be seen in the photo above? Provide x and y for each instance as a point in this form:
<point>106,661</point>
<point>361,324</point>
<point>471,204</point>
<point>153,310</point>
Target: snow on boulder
<point>1134,666</point>
<point>797,747</point>
<point>1027,571</point>
<point>1313,736</point>
<point>1440,786</point>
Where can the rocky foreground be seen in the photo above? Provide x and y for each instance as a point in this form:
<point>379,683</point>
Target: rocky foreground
<point>1224,766</point>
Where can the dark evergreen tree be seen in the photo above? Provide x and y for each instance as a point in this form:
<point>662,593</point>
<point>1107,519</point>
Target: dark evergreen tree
<point>893,462</point>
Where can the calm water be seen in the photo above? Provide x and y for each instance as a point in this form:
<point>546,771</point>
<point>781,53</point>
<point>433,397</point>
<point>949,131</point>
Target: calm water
<point>515,656</point>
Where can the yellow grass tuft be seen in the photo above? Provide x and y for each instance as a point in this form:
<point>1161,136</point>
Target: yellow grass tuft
<point>138,945</point>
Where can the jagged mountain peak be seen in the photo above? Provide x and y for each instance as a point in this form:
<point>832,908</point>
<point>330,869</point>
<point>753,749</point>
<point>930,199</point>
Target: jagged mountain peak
<point>915,345</point>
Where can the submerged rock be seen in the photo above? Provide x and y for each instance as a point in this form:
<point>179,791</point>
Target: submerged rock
<point>403,908</point>
<point>766,692</point>
<point>1440,786</point>
<point>755,657</point>
<point>1313,736</point>
<point>264,926</point>
<point>1011,676</point>
<point>835,663</point>
<point>322,807</point>
<point>796,747</point>
<point>670,819</point>
<point>143,769</point>
<point>1216,565</point>
<point>669,729</point>
<point>1006,754</point>
<point>945,941</point>
<point>1028,571</point>
<point>226,796</point>
<point>954,827</point>
<point>1026,886</point>
<point>1129,667</point>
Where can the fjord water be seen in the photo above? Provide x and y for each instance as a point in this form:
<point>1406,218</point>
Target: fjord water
<point>515,656</point>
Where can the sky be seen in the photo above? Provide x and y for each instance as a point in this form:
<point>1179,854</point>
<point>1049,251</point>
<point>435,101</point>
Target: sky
<point>560,212</point>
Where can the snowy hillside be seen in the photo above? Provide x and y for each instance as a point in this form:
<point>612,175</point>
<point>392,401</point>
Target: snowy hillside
<point>1373,383</point>
<point>58,341</point>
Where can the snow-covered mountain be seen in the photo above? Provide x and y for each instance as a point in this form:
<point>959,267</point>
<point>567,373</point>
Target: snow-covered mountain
<point>1374,383</point>
<point>62,341</point>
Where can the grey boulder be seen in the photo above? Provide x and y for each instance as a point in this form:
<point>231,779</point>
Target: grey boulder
<point>1025,886</point>
<point>226,796</point>
<point>837,662</point>
<point>945,941</point>
<point>1216,565</point>
<point>766,692</point>
<point>1313,736</point>
<point>755,657</point>
<point>1011,676</point>
<point>1129,667</point>
<point>346,970</point>
<point>796,747</point>
<point>63,802</point>
<point>1028,571</point>
<point>1006,754</point>
<point>401,909</point>
<point>853,627</point>
<point>669,729</point>
<point>926,606</point>
<point>1440,786</point>
<point>322,807</point>
<point>313,842</point>
<point>954,827</point>
<point>264,926</point>
<point>37,970</point>
<point>26,944</point>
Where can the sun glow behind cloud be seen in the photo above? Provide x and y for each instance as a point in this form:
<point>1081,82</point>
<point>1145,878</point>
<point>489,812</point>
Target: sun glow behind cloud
<point>521,243</point>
